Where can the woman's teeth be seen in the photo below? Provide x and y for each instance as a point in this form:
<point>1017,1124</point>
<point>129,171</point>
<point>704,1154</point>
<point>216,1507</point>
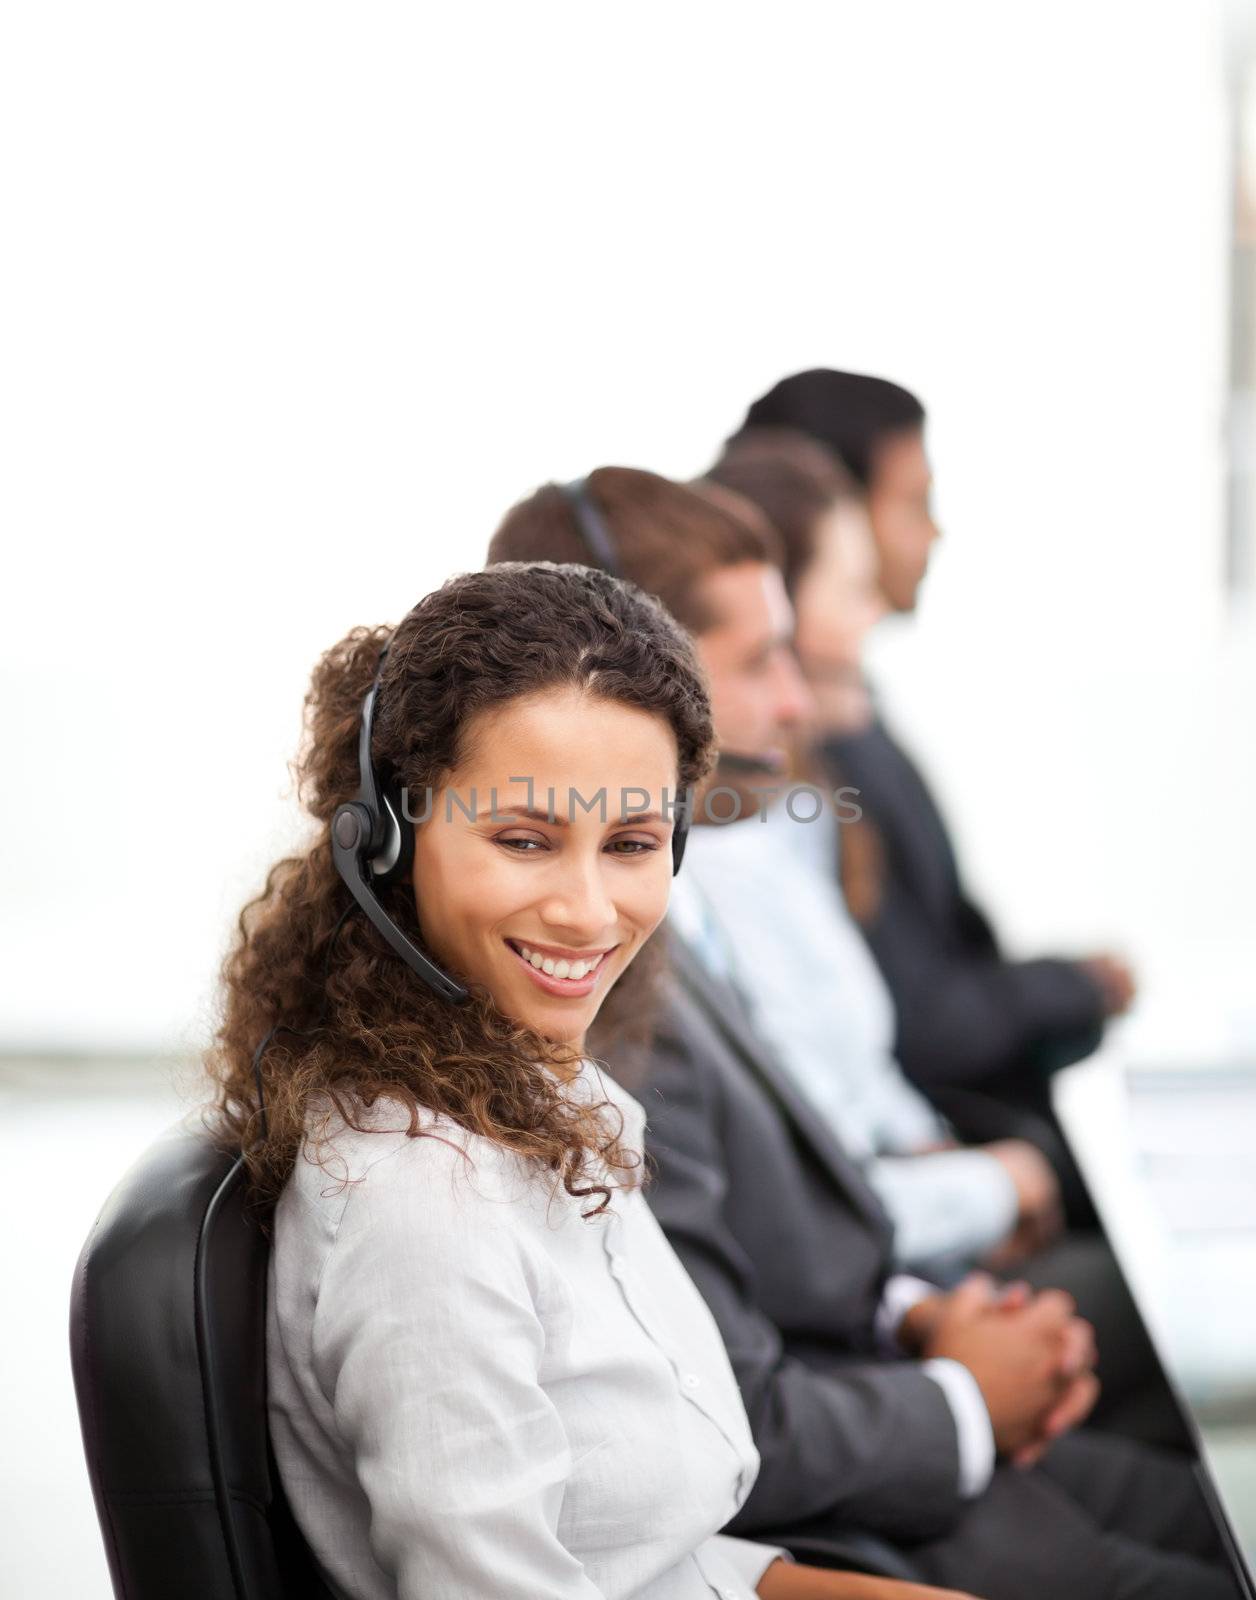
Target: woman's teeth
<point>559,969</point>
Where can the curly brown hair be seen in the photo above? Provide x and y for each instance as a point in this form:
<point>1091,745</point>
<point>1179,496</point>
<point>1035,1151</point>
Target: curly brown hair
<point>354,1024</point>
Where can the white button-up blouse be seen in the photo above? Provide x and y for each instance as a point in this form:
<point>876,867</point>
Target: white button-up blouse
<point>475,1391</point>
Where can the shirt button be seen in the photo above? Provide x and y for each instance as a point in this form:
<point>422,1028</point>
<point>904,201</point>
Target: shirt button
<point>691,1380</point>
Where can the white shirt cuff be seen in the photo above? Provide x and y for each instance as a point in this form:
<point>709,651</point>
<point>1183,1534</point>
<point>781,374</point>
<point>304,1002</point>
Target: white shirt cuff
<point>733,1567</point>
<point>972,1423</point>
<point>900,1294</point>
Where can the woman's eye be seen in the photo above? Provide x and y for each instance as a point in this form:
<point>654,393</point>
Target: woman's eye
<point>521,845</point>
<point>632,847</point>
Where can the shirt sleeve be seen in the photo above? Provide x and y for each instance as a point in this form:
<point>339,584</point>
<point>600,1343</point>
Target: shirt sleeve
<point>900,1294</point>
<point>972,1423</point>
<point>742,1561</point>
<point>428,1345</point>
<point>963,1395</point>
<point>948,1207</point>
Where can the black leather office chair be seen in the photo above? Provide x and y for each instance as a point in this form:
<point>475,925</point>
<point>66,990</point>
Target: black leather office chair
<point>167,1343</point>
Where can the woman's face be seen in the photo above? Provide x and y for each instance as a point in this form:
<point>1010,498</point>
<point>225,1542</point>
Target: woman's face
<point>837,601</point>
<point>547,914</point>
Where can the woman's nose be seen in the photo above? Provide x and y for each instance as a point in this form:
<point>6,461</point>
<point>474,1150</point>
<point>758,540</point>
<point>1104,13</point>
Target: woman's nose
<point>579,899</point>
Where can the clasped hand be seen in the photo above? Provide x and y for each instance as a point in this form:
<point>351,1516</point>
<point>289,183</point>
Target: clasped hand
<point>1032,1357</point>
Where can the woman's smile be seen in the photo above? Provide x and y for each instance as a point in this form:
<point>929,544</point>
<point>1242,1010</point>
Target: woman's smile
<point>559,971</point>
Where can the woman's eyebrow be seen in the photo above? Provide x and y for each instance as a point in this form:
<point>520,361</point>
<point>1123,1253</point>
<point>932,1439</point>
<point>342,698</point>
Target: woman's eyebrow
<point>532,813</point>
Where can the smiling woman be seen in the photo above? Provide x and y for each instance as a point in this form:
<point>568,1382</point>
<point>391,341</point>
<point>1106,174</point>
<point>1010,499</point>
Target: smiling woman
<point>487,1372</point>
<point>522,682</point>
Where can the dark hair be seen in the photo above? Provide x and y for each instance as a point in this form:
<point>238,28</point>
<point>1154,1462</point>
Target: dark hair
<point>668,536</point>
<point>848,411</point>
<point>365,1027</point>
<point>793,479</point>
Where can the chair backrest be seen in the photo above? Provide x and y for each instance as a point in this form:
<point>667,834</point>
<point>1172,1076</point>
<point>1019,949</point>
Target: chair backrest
<point>168,1347</point>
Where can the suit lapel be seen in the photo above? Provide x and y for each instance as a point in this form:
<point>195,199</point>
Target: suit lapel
<point>724,1006</point>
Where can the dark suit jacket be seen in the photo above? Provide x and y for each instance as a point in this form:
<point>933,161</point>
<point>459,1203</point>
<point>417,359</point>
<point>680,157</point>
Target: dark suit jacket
<point>790,1249</point>
<point>966,1015</point>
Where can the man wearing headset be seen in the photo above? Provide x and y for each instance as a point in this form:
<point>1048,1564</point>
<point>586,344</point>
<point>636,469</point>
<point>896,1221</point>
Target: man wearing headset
<point>932,1419</point>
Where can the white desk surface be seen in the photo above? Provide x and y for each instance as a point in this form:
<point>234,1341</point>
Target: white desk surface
<point>1196,1289</point>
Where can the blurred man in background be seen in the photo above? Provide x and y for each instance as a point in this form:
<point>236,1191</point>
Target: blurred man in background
<point>968,1017</point>
<point>876,1399</point>
<point>781,888</point>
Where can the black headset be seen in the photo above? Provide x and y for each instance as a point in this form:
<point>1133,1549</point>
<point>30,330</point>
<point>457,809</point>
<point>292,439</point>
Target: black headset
<point>372,845</point>
<point>600,543</point>
<point>372,842</point>
<point>594,528</point>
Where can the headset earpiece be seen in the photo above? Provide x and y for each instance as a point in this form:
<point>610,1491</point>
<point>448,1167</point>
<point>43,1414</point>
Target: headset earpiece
<point>599,541</point>
<point>372,844</point>
<point>395,856</point>
<point>680,838</point>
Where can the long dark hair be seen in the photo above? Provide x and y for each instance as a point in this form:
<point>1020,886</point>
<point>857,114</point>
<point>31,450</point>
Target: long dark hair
<point>357,1024</point>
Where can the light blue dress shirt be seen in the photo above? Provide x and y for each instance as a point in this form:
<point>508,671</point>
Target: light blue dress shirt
<point>816,993</point>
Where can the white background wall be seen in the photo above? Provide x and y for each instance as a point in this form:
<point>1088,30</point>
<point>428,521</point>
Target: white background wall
<point>299,299</point>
